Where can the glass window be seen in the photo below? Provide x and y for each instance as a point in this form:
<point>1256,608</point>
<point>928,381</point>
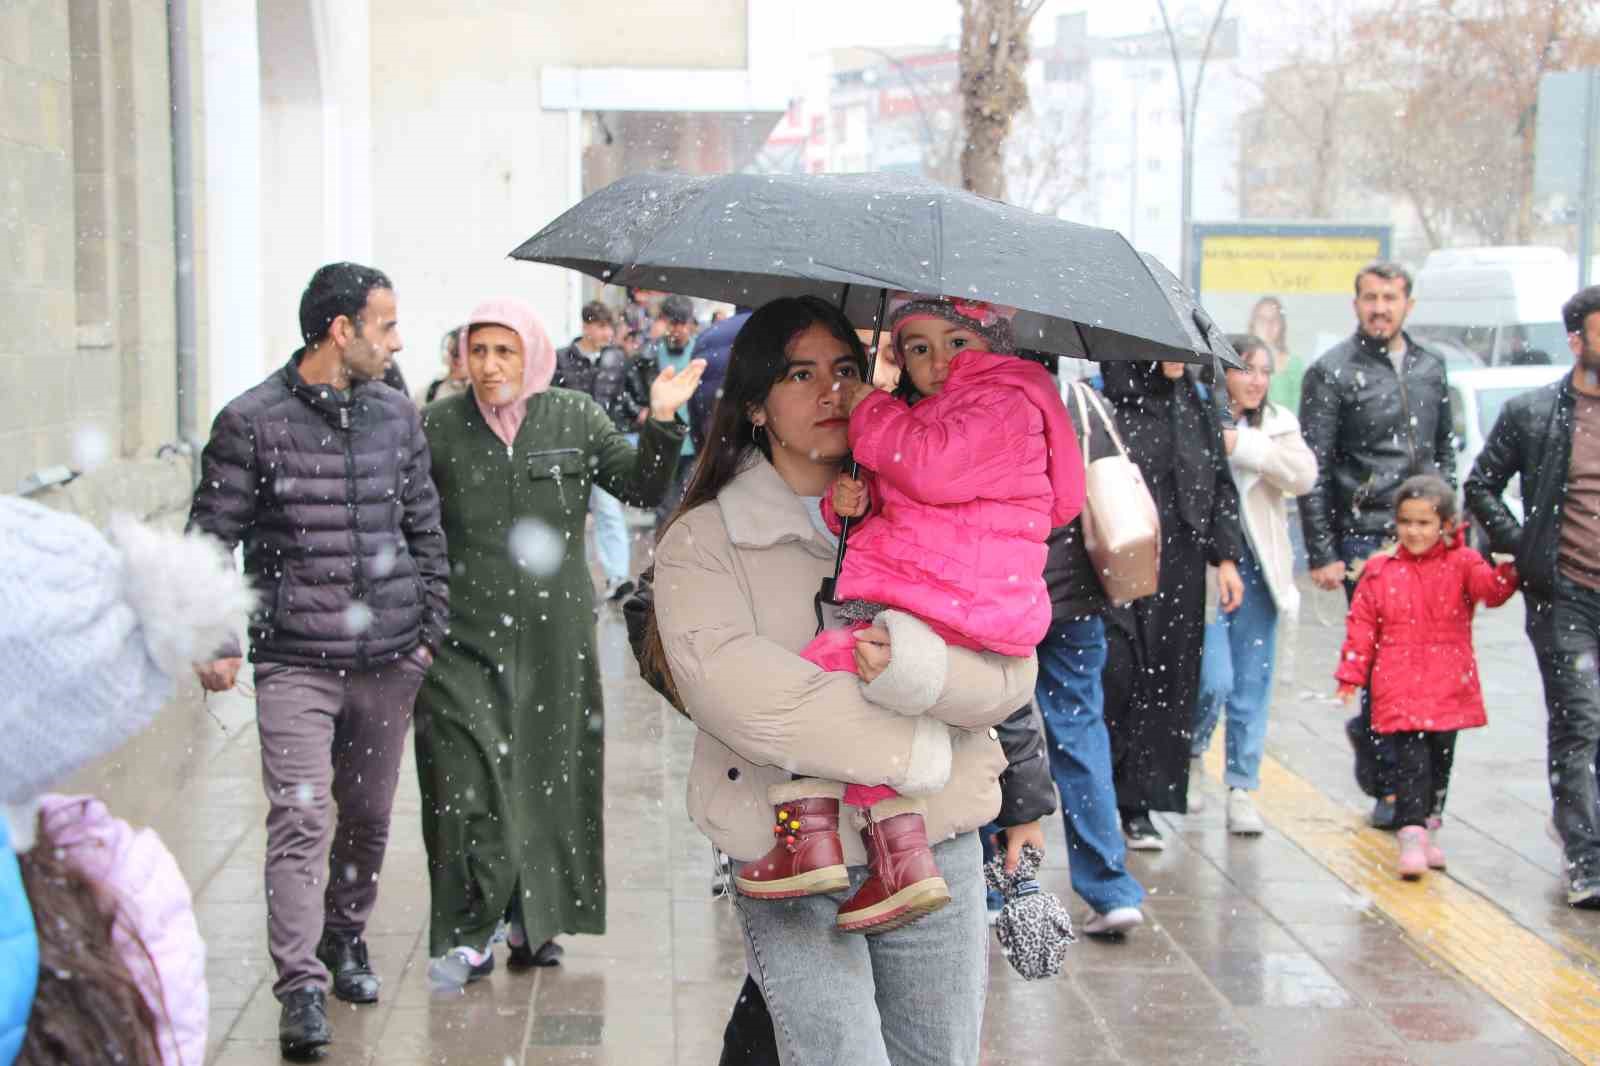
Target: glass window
<point>1533,344</point>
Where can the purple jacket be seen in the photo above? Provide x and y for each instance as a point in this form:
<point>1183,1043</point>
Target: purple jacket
<point>154,930</point>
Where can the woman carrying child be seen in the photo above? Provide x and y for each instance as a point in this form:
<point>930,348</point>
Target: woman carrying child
<point>1409,639</point>
<point>736,573</point>
<point>967,467</point>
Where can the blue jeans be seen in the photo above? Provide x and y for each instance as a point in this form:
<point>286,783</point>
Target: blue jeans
<point>611,539</point>
<point>1236,673</point>
<point>913,995</point>
<point>1071,703</point>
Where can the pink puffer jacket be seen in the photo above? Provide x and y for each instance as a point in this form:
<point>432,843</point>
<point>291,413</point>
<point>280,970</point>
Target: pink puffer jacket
<point>965,487</point>
<point>155,932</point>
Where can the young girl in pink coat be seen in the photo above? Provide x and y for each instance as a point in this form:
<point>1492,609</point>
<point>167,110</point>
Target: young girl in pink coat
<point>1408,639</point>
<point>967,467</point>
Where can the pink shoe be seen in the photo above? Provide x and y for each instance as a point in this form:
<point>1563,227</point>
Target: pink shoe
<point>1413,861</point>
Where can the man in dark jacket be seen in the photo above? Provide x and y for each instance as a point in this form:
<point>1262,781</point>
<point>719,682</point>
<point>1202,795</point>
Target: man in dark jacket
<point>592,364</point>
<point>1375,410</point>
<point>322,473</point>
<point>1550,437</point>
<point>675,347</point>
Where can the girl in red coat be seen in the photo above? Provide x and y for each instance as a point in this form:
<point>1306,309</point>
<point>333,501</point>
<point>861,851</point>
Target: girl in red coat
<point>967,467</point>
<point>1409,639</point>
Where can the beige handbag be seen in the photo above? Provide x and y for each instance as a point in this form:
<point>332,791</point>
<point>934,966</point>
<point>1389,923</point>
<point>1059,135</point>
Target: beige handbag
<point>1121,526</point>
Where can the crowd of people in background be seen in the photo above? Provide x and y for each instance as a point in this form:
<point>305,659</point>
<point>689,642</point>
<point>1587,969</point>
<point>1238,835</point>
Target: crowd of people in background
<point>420,564</point>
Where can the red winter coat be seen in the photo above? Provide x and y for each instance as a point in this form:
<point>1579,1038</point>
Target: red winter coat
<point>965,487</point>
<point>1409,636</point>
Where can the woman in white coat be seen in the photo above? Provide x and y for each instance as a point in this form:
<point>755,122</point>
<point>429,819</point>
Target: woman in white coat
<point>1271,464</point>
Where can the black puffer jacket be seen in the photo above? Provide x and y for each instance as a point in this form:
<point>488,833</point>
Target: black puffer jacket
<point>338,516</point>
<point>638,375</point>
<point>1370,429</point>
<point>602,378</point>
<point>1532,438</point>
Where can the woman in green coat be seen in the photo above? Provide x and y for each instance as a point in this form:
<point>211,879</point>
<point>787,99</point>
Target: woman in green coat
<point>509,724</point>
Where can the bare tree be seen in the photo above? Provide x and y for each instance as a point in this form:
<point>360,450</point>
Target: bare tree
<point>994,89</point>
<point>1047,157</point>
<point>1299,147</point>
<point>1461,81</point>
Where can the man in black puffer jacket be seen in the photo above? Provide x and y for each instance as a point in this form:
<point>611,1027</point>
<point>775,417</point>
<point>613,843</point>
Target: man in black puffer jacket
<point>1375,410</point>
<point>1550,438</point>
<point>322,473</point>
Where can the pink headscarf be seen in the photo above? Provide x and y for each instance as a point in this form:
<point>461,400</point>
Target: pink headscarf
<point>538,361</point>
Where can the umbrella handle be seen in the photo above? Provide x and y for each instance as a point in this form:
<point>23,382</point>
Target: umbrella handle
<point>872,364</point>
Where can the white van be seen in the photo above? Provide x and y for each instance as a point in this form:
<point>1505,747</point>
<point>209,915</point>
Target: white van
<point>1502,306</point>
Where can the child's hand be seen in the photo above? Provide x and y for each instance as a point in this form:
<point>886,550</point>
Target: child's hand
<point>1346,693</point>
<point>849,497</point>
<point>851,393</point>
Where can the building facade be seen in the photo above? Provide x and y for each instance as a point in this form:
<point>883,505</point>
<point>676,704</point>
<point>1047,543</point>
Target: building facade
<point>175,171</point>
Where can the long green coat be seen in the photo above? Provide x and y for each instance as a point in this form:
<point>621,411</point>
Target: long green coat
<point>510,736</point>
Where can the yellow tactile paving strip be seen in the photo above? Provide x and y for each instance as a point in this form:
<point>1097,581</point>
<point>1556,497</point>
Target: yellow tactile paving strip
<point>1531,977</point>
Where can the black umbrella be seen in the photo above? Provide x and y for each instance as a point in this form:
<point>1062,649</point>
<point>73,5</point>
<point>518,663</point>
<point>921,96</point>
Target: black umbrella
<point>748,238</point>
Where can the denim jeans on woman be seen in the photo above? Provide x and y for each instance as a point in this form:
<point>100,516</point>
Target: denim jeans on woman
<point>1072,705</point>
<point>903,998</point>
<point>1236,676</point>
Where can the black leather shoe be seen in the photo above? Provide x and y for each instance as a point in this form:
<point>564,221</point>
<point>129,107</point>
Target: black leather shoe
<point>346,960</point>
<point>525,957</point>
<point>303,1026</point>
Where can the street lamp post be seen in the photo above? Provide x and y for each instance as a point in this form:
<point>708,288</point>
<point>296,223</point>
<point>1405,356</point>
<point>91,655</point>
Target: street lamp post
<point>1188,109</point>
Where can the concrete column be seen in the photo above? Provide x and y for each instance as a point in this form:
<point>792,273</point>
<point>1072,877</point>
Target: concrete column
<point>235,347</point>
<point>344,54</point>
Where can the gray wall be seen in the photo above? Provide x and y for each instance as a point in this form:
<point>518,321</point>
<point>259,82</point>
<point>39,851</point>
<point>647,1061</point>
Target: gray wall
<point>87,326</point>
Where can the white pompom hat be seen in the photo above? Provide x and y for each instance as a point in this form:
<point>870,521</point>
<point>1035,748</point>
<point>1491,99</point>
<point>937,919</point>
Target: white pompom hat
<point>94,634</point>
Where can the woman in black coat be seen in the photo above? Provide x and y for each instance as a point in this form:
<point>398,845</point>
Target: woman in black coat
<point>1172,431</point>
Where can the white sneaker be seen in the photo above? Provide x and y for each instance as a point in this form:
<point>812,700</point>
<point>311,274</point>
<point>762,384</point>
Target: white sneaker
<point>1243,818</point>
<point>1196,798</point>
<point>459,967</point>
<point>1113,923</point>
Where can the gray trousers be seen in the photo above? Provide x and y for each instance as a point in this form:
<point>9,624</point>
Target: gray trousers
<point>329,739</point>
<point>910,997</point>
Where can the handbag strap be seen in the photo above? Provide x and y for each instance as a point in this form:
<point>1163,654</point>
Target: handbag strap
<point>1078,388</point>
<point>1083,390</point>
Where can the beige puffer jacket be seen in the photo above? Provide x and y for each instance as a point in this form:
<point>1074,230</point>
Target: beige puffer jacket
<point>734,585</point>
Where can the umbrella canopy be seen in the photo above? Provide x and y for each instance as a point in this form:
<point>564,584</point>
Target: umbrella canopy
<point>750,238</point>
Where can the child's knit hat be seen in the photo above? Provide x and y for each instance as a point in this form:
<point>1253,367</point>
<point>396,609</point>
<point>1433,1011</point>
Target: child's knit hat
<point>992,322</point>
<point>94,632</point>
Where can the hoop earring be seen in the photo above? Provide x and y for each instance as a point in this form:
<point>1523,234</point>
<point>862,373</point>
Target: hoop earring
<point>758,432</point>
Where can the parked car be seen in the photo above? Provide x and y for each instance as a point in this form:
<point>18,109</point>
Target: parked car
<point>1502,305</point>
<point>1476,397</point>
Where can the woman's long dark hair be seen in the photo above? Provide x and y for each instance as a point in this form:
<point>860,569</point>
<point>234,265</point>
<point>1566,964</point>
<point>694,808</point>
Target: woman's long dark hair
<point>88,1007</point>
<point>759,360</point>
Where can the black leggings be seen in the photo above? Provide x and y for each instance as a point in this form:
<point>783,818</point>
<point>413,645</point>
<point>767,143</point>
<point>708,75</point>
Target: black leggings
<point>1422,774</point>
